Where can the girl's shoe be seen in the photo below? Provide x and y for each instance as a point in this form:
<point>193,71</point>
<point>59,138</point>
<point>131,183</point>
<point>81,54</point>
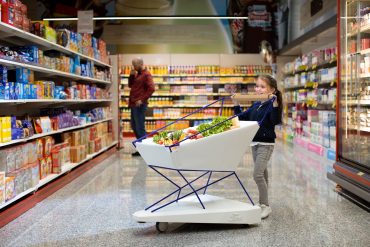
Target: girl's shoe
<point>265,211</point>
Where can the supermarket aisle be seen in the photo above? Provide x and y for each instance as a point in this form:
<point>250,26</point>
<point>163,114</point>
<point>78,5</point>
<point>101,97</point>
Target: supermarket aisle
<point>95,210</point>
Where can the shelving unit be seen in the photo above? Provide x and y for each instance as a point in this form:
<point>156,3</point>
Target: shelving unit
<point>8,31</point>
<point>51,72</point>
<point>352,167</point>
<point>303,84</point>
<point>66,168</point>
<point>31,107</point>
<point>212,81</point>
<point>36,136</point>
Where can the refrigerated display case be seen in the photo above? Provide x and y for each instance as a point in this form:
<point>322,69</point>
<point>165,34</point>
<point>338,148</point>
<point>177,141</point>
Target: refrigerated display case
<point>351,171</point>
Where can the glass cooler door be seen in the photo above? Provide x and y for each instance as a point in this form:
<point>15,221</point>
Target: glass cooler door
<point>354,85</point>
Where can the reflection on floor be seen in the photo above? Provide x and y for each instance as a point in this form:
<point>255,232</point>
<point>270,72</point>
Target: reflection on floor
<point>96,208</point>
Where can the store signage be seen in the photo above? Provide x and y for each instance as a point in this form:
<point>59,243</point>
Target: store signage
<point>85,23</point>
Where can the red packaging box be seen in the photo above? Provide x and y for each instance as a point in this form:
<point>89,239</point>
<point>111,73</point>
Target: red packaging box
<point>97,143</point>
<point>8,13</point>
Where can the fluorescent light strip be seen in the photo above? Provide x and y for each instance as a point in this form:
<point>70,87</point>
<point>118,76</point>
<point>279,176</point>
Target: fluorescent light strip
<point>154,18</point>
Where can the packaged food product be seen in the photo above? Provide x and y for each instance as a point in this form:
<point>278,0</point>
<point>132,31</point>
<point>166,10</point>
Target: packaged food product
<point>43,168</point>
<point>2,187</point>
<point>48,143</point>
<point>9,188</point>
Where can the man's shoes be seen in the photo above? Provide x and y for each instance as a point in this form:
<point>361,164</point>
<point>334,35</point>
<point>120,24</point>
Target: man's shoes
<point>265,211</point>
<point>135,154</point>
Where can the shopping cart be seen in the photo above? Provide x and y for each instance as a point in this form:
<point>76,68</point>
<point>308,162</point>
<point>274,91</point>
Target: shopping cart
<point>220,153</point>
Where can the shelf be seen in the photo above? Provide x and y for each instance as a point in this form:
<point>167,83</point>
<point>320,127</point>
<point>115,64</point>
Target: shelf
<point>52,72</point>
<point>198,83</point>
<point>318,103</point>
<point>367,75</point>
<point>202,75</point>
<point>355,102</point>
<point>52,133</point>
<point>329,64</point>
<point>174,118</point>
<point>187,106</point>
<point>186,94</point>
<point>364,52</point>
<point>353,127</point>
<point>24,101</point>
<point>365,29</point>
<point>313,85</point>
<point>66,168</point>
<point>34,39</point>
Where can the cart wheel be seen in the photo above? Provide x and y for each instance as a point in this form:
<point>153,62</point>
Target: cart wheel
<point>161,226</point>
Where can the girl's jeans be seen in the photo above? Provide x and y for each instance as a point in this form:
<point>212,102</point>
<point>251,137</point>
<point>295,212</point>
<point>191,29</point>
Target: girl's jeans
<point>261,156</point>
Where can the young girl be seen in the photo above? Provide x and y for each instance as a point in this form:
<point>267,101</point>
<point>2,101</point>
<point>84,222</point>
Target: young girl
<point>263,141</point>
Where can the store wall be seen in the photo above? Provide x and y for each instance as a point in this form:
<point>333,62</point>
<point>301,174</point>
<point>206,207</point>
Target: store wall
<point>223,60</point>
<point>300,19</point>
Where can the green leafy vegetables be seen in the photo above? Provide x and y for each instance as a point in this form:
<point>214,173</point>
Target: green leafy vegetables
<point>215,130</point>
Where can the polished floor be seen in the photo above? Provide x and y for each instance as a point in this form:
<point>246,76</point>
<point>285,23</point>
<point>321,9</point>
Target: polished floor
<point>96,208</point>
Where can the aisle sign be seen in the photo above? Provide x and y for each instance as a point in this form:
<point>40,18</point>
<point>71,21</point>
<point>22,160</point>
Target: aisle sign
<point>85,23</point>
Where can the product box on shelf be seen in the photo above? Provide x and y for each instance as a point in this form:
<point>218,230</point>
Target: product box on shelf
<point>48,143</point>
<point>19,179</point>
<point>50,34</point>
<point>97,144</point>
<point>32,152</point>
<point>2,187</point>
<point>76,138</point>
<point>78,153</point>
<point>39,148</point>
<point>9,188</point>
<point>35,173</point>
<point>44,168</point>
<point>91,147</point>
<point>8,13</point>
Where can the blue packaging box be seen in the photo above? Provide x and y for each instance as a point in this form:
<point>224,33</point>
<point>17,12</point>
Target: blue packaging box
<point>11,90</point>
<point>16,90</point>
<point>3,73</point>
<point>17,133</point>
<point>6,90</point>
<point>33,91</point>
<point>19,91</point>
<point>2,91</point>
<point>57,92</point>
<point>26,91</point>
<point>21,75</point>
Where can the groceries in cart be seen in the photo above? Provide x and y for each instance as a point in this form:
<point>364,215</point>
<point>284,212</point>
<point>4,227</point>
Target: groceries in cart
<point>203,130</point>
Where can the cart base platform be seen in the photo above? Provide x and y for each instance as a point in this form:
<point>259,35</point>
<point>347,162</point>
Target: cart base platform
<point>217,210</point>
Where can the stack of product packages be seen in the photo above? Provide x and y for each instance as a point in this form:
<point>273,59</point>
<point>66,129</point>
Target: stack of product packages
<point>88,141</point>
<point>23,166</point>
<point>320,128</point>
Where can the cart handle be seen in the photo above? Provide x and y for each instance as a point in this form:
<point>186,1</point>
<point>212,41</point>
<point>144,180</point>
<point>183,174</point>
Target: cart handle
<point>229,118</point>
<point>157,130</point>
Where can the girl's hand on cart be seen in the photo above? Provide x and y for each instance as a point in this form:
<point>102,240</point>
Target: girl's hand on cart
<point>235,102</point>
<point>273,96</point>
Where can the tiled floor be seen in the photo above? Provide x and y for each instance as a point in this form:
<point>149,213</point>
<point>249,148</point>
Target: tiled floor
<point>96,208</point>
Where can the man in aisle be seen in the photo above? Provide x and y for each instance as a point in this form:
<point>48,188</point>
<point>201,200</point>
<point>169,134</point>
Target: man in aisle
<point>142,87</point>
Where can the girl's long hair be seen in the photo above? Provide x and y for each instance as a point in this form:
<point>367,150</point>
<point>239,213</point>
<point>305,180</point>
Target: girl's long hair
<point>273,84</point>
